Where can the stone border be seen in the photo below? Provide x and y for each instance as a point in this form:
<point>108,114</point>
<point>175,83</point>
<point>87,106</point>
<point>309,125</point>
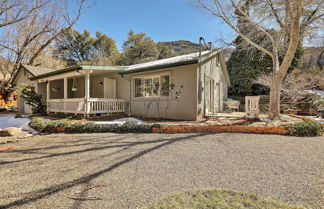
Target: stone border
<point>221,129</point>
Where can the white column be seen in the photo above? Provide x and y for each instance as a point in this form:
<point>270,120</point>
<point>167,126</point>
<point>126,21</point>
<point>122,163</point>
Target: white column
<point>48,90</point>
<point>87,94</point>
<point>65,93</point>
<point>47,93</point>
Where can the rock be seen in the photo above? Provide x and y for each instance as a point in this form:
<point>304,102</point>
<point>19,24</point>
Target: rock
<point>4,133</point>
<point>11,131</point>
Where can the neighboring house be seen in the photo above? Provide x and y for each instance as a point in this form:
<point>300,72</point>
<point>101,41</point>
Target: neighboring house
<point>89,90</point>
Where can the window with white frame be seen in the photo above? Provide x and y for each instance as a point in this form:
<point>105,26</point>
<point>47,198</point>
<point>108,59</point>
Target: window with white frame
<point>152,86</point>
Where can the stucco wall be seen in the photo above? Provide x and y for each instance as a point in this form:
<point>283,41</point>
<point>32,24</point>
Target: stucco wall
<point>22,80</point>
<point>183,109</point>
<point>213,69</point>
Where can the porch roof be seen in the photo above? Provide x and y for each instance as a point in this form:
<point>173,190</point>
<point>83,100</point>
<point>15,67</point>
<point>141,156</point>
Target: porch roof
<point>79,67</point>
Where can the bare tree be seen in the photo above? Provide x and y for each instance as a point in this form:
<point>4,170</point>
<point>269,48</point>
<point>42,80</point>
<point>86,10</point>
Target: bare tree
<point>13,11</point>
<point>294,88</point>
<point>26,40</point>
<point>283,23</point>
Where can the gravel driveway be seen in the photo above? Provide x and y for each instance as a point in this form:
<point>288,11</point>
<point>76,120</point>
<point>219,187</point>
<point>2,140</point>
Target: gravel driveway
<point>132,170</point>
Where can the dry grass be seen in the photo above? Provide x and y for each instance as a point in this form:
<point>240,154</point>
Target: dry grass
<point>220,199</point>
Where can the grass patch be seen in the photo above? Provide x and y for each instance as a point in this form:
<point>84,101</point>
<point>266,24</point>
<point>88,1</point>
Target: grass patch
<point>218,199</point>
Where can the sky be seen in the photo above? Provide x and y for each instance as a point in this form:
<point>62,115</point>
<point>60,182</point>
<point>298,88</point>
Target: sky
<point>162,20</point>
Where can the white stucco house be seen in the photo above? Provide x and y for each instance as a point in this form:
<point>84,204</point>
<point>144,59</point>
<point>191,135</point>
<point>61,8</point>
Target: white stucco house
<point>94,90</point>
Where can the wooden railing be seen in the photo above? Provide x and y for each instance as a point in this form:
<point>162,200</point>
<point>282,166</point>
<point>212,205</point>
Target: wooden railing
<point>109,106</point>
<point>89,106</point>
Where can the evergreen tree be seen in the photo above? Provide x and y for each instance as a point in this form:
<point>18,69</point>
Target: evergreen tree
<point>104,46</point>
<point>164,51</point>
<point>138,48</point>
<point>75,46</point>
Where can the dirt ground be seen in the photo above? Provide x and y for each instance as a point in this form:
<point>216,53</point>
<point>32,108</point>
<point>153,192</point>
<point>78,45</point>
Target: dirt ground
<point>132,170</point>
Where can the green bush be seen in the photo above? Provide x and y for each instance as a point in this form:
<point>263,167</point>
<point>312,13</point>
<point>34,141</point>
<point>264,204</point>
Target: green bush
<point>89,127</point>
<point>305,128</point>
<point>33,99</point>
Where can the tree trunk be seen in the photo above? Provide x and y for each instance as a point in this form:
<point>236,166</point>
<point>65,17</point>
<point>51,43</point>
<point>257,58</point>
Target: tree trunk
<point>274,107</point>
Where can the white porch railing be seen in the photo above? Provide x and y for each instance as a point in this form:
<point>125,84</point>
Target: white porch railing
<point>109,106</point>
<point>92,106</point>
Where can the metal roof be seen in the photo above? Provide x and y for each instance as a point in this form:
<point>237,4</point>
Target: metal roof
<point>187,59</point>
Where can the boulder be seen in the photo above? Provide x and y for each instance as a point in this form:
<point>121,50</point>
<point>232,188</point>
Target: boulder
<point>11,131</point>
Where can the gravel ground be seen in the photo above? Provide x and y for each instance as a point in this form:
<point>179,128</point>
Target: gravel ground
<point>133,170</point>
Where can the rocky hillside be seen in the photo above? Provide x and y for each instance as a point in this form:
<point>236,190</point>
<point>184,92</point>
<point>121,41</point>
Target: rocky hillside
<point>182,47</point>
<point>313,56</point>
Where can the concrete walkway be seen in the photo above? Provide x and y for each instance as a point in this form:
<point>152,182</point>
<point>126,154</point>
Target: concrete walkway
<point>133,170</point>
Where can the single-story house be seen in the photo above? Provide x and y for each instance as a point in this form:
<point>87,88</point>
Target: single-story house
<point>187,87</point>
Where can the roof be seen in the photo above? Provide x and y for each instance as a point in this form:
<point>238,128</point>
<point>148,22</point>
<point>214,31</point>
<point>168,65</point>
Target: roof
<point>79,67</point>
<point>35,71</point>
<point>187,59</point>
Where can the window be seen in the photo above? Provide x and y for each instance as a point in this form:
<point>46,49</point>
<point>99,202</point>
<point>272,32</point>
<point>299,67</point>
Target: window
<point>152,86</point>
<point>165,85</point>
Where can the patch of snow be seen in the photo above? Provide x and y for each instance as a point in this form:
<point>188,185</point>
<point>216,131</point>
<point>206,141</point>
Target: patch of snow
<point>321,120</point>
<point>119,121</point>
<point>318,92</point>
<point>7,121</point>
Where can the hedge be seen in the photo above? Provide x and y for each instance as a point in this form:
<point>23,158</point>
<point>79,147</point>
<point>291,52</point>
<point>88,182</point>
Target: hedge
<point>305,128</point>
<point>66,126</point>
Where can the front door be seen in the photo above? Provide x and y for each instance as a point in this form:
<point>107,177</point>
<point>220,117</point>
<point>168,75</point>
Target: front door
<point>209,95</point>
<point>110,88</point>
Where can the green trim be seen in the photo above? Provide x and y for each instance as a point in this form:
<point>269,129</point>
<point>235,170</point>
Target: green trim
<point>101,67</point>
<point>79,67</point>
<point>189,62</point>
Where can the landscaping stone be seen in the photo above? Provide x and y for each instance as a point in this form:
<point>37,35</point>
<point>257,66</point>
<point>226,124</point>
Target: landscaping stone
<point>13,131</point>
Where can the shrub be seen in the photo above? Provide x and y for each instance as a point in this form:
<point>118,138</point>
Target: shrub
<point>89,127</point>
<point>305,128</point>
<point>37,123</point>
<point>33,99</point>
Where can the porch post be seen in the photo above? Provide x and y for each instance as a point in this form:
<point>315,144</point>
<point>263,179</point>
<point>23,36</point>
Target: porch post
<point>87,94</point>
<point>65,93</point>
<point>47,94</point>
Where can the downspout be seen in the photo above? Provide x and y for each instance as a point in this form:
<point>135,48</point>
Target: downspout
<point>201,98</point>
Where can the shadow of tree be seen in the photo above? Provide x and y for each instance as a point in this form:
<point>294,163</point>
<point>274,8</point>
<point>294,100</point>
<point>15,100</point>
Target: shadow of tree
<point>85,180</point>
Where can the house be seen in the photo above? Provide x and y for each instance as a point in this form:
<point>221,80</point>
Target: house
<point>187,87</point>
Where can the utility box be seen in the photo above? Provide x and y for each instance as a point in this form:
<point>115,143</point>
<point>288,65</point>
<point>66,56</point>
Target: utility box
<point>252,107</point>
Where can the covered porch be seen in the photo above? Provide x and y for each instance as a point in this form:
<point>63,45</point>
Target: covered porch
<point>83,91</point>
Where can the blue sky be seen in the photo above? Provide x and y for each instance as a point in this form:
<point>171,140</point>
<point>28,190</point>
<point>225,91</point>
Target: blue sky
<point>162,20</point>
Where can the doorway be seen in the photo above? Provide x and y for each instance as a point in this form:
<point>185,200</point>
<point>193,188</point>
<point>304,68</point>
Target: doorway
<point>109,88</point>
<point>209,95</point>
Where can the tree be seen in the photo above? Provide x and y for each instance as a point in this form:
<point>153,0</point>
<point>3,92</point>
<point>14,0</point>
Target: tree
<point>72,45</point>
<point>294,87</point>
<point>164,50</point>
<point>13,11</point>
<point>24,41</point>
<point>104,50</point>
<point>279,22</point>
<point>138,48</point>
